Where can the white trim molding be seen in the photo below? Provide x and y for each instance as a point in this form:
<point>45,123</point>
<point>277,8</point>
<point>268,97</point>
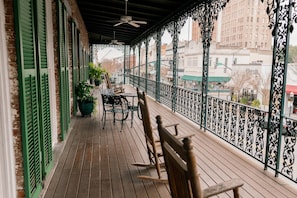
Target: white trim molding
<point>7,162</point>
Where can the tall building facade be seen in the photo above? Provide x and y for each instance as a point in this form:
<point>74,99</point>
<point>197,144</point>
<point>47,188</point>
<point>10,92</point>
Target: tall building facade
<point>241,24</point>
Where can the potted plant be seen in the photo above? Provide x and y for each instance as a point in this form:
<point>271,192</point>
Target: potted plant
<point>92,72</point>
<point>95,73</point>
<point>85,98</point>
<point>98,74</point>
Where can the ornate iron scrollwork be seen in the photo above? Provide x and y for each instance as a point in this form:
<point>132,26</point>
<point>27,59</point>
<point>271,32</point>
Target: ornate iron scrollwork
<point>280,21</point>
<point>174,29</point>
<point>206,13</point>
<point>227,114</point>
<point>273,5</point>
<point>249,136</point>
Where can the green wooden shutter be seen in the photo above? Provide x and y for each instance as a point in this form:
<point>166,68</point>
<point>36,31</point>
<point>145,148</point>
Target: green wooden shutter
<point>80,55</point>
<point>28,96</point>
<point>75,76</point>
<point>64,72</point>
<point>44,99</point>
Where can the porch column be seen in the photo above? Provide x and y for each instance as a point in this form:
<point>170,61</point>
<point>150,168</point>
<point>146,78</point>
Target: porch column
<point>134,65</point>
<point>174,29</point>
<point>174,65</point>
<point>157,39</point>
<point>280,21</point>
<point>125,51</point>
<point>146,62</point>
<point>139,51</point>
<point>206,13</point>
<point>129,65</point>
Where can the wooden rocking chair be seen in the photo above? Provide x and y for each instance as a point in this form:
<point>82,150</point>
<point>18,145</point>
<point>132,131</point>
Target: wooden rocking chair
<point>153,145</point>
<point>116,88</point>
<point>182,170</point>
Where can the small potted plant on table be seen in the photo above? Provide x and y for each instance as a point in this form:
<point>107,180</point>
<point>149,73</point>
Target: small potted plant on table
<point>95,73</point>
<point>85,98</point>
<point>98,75</point>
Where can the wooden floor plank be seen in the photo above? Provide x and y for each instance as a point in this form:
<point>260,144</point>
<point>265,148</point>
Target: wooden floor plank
<point>97,163</point>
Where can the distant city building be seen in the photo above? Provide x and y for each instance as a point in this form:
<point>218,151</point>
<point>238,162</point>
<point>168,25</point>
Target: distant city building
<point>242,24</point>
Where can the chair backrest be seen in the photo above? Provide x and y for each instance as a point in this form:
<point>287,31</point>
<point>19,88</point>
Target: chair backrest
<point>107,81</point>
<point>180,164</point>
<point>107,99</point>
<point>120,103</point>
<point>114,101</point>
<point>146,121</point>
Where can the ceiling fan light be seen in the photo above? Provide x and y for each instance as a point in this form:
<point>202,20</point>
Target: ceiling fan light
<point>126,18</point>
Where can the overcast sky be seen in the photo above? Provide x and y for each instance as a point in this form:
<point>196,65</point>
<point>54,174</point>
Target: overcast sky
<point>293,37</point>
<point>184,35</point>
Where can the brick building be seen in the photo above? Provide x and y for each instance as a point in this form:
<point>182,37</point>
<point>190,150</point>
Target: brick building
<point>43,52</point>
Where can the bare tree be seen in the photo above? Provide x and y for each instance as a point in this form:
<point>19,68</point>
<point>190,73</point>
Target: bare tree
<point>265,88</point>
<point>254,81</point>
<point>239,81</point>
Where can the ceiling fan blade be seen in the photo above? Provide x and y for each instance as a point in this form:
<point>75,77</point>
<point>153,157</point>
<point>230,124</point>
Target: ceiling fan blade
<point>133,24</point>
<point>120,23</point>
<point>139,22</point>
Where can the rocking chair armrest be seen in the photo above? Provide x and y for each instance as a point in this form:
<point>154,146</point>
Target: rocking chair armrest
<point>232,184</point>
<point>177,135</point>
<point>170,125</point>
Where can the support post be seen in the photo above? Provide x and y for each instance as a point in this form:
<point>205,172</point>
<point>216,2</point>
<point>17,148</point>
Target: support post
<point>206,14</point>
<point>281,25</point>
<point>157,38</point>
<point>146,62</point>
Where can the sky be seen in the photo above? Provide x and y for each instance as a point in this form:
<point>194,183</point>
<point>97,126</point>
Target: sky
<point>293,37</point>
<point>184,35</point>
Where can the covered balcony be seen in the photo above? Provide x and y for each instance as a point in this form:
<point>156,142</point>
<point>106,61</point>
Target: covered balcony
<point>265,133</point>
<point>231,80</point>
<point>97,162</point>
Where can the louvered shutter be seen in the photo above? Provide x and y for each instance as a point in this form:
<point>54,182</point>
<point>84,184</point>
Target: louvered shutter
<point>80,55</point>
<point>28,97</point>
<point>64,73</point>
<point>75,76</point>
<point>45,124</point>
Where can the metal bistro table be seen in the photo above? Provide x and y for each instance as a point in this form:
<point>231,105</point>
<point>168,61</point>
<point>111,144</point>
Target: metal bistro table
<point>132,106</point>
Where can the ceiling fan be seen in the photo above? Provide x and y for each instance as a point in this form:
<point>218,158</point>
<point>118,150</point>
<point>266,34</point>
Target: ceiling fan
<point>128,19</point>
<point>114,41</point>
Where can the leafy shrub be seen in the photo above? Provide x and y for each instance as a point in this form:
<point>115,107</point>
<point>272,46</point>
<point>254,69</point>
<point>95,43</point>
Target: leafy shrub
<point>255,103</point>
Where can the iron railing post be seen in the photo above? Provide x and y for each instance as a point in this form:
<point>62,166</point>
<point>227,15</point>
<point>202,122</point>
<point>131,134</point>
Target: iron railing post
<point>158,64</point>
<point>146,62</point>
<point>280,23</point>
<point>139,53</point>
<point>174,65</point>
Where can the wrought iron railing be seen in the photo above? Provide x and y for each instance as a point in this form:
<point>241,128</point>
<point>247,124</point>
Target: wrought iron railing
<point>242,126</point>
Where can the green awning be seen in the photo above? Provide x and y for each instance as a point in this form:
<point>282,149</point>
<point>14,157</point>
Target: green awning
<point>210,78</point>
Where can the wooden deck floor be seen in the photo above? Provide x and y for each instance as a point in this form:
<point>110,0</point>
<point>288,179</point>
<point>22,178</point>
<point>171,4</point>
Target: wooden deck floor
<point>97,163</point>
